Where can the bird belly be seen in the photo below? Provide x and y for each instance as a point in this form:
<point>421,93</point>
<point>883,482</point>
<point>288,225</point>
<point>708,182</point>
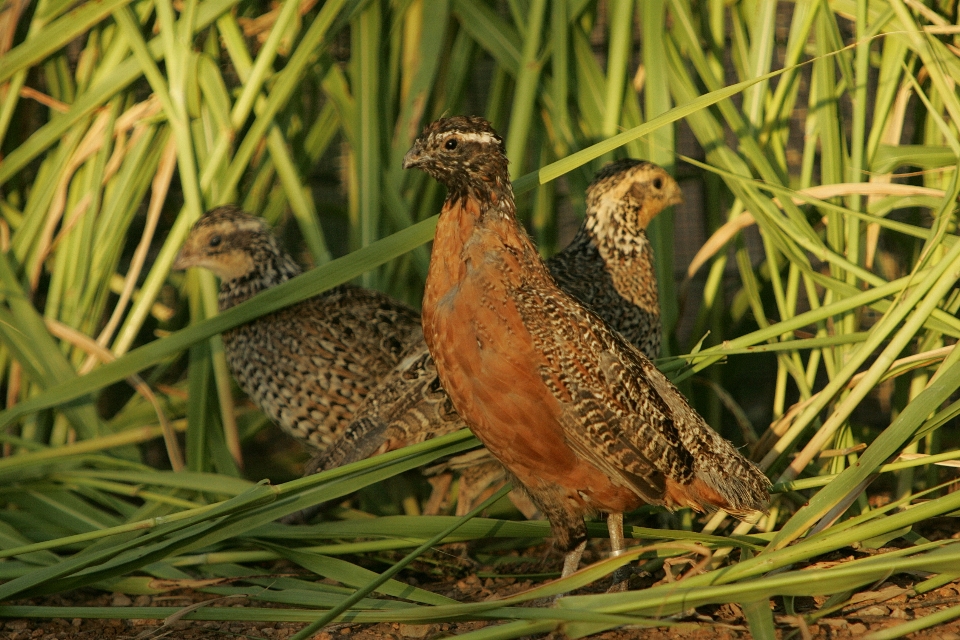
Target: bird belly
<point>489,367</point>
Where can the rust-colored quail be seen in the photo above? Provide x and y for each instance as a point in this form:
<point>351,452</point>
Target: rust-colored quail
<point>308,366</point>
<point>581,418</point>
<point>608,266</point>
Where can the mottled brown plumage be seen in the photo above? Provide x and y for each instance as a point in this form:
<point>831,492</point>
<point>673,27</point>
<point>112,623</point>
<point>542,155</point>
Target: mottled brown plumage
<point>308,366</point>
<point>582,419</point>
<point>608,266</point>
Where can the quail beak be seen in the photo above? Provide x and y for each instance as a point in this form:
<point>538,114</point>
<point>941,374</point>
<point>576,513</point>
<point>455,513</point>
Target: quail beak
<point>181,262</point>
<point>675,198</point>
<point>412,157</point>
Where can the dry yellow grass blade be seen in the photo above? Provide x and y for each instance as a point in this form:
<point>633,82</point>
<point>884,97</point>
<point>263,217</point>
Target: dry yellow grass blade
<point>102,354</point>
<point>160,187</point>
<point>731,228</point>
<point>904,365</point>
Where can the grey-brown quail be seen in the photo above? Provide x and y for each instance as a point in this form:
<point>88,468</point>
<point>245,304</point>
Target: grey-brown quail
<point>308,366</point>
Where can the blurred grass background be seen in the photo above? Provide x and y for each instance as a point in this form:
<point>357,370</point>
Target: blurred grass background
<point>808,284</point>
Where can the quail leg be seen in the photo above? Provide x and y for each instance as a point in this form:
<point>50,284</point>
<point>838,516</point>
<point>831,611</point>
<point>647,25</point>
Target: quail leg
<point>572,560</point>
<point>615,529</point>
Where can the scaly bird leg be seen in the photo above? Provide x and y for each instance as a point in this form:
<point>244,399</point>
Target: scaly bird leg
<point>570,563</point>
<point>572,560</point>
<point>615,529</point>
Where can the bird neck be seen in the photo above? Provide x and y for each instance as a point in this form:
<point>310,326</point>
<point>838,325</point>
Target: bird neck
<point>492,191</point>
<point>477,228</point>
<point>628,258</point>
<point>270,267</point>
<point>498,216</point>
<point>608,228</point>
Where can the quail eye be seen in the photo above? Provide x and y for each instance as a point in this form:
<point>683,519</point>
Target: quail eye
<point>451,144</point>
<point>215,241</point>
<point>657,183</point>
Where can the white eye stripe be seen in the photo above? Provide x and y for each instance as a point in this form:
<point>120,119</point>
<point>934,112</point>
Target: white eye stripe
<point>249,225</point>
<point>482,137</point>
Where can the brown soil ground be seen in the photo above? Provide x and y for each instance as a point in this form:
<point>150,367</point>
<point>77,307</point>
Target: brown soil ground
<point>881,607</point>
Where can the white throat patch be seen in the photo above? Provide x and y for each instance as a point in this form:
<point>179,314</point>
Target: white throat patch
<point>604,213</point>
